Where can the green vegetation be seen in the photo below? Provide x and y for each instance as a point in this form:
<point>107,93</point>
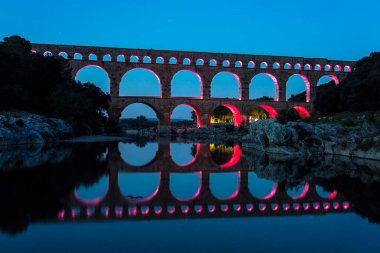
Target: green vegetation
<point>222,115</point>
<point>33,83</point>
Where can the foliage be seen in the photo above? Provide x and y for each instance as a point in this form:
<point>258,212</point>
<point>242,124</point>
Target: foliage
<point>285,116</point>
<point>258,113</point>
<point>264,98</point>
<point>43,85</point>
<point>222,115</point>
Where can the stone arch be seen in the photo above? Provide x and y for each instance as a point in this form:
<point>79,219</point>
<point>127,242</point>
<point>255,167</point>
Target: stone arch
<point>264,65</point>
<point>235,158</point>
<point>139,187</point>
<point>134,59</point>
<point>107,57</point>
<point>220,78</point>
<point>213,63</point>
<point>238,119</point>
<point>195,109</point>
<point>238,64</point>
<point>100,77</point>
<point>78,56</point>
<point>230,179</point>
<point>298,66</point>
<point>327,67</point>
<point>327,78</point>
<point>337,68</point>
<point>147,59</point>
<point>186,61</point>
<point>64,55</point>
<point>308,67</point>
<point>120,58</point>
<point>199,62</point>
<point>190,163</point>
<point>268,77</point>
<point>251,64</point>
<point>261,188</point>
<point>141,108</point>
<point>226,63</point>
<point>276,65</point>
<point>92,57</point>
<point>305,81</point>
<point>47,54</point>
<point>178,184</point>
<point>302,111</point>
<point>347,69</point>
<point>173,60</point>
<point>84,194</point>
<point>272,113</point>
<point>191,80</point>
<point>160,60</point>
<point>141,86</point>
<point>288,66</point>
<point>318,67</point>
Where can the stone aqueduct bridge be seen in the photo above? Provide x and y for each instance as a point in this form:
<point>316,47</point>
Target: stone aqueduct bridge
<point>164,204</point>
<point>165,64</point>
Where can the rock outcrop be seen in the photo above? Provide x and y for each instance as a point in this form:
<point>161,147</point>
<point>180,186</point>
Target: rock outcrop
<point>302,139</point>
<point>26,128</point>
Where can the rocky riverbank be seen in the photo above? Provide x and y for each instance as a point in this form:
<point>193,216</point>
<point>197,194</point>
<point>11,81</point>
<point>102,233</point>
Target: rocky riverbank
<point>25,128</point>
<point>298,139</point>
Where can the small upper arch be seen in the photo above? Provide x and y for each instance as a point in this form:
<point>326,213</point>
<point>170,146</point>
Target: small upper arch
<point>160,60</point>
<point>288,66</point>
<point>186,61</point>
<point>199,62</point>
<point>226,63</point>
<point>238,64</point>
<point>107,57</point>
<point>147,59</point>
<point>213,63</point>
<point>173,60</point>
<point>298,66</point>
<point>92,57</point>
<point>134,59</point>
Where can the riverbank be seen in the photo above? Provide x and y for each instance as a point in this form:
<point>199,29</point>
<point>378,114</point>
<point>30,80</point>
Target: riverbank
<point>20,128</point>
<point>300,139</point>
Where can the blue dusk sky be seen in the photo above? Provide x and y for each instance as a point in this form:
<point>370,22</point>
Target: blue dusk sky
<point>341,30</point>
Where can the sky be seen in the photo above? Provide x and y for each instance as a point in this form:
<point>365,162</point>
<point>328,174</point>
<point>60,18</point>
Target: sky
<point>340,30</point>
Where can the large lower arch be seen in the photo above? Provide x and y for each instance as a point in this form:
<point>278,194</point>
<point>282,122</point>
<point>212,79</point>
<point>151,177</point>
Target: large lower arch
<point>302,111</point>
<point>185,186</point>
<point>297,84</point>
<point>136,155</point>
<point>186,114</point>
<point>225,186</point>
<point>328,78</point>
<point>264,86</point>
<point>184,154</point>
<point>96,75</point>
<point>238,119</point>
<point>94,194</point>
<point>261,188</point>
<point>226,85</point>
<point>272,113</point>
<point>187,83</point>
<point>140,82</point>
<point>139,187</point>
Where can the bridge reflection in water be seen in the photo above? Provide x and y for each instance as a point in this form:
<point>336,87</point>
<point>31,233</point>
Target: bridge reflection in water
<point>213,189</point>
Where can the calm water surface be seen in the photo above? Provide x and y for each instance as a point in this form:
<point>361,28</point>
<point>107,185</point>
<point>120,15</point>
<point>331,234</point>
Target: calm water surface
<point>184,197</point>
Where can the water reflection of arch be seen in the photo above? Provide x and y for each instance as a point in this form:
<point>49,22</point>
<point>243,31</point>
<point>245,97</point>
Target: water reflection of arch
<point>163,161</point>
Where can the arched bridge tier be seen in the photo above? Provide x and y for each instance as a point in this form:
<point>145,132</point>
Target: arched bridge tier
<point>165,64</point>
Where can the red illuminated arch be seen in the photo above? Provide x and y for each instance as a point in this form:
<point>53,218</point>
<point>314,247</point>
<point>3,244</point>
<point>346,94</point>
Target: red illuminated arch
<point>234,159</point>
<point>195,109</point>
<point>275,82</point>
<point>334,78</point>
<point>92,202</point>
<point>235,76</point>
<point>148,198</point>
<point>307,84</point>
<point>237,115</point>
<point>270,110</point>
<point>147,69</point>
<point>302,111</point>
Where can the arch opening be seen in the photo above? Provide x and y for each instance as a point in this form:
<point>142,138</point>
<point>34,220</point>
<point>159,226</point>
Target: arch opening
<point>160,60</point>
<point>120,58</point>
<point>78,56</point>
<point>92,57</point>
<point>107,57</point>
<point>187,83</point>
<point>138,154</point>
<point>138,117</point>
<point>226,114</point>
<point>184,154</point>
<point>328,78</point>
<point>92,194</point>
<point>184,116</point>
<point>185,186</point>
<point>261,188</point>
<point>225,156</point>
<point>295,86</point>
<point>302,111</point>
<point>139,187</point>
<point>96,75</point>
<point>140,82</point>
<point>226,85</point>
<point>225,186</point>
<point>64,55</point>
<point>264,87</point>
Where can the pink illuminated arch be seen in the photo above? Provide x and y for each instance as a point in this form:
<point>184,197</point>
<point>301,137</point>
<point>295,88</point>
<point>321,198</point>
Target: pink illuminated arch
<point>173,60</point>
<point>63,55</point>
<point>270,110</point>
<point>347,69</point>
<point>308,67</point>
<point>107,57</point>
<point>160,60</point>
<point>92,201</point>
<point>91,65</point>
<point>276,65</point>
<point>195,189</point>
<point>147,59</point>
<point>318,67</point>
<point>92,57</point>
<point>337,68</point>
<point>95,80</point>
<point>147,69</point>
<point>302,111</point>
<point>141,183</point>
<point>275,82</point>
<point>226,63</point>
<point>225,178</point>
<point>305,190</point>
<point>47,54</point>
<point>232,74</point>
<point>200,62</point>
<point>238,64</point>
<point>198,78</point>
<point>288,66</point>
<point>196,110</point>
<point>237,115</point>
<point>298,66</point>
<point>332,77</point>
<point>213,63</point>
<point>307,84</point>
<point>120,58</point>
<point>264,65</point>
<point>78,56</point>
<point>134,59</point>
<point>327,67</point>
<point>261,188</point>
<point>251,64</point>
<point>234,159</point>
<point>186,61</point>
